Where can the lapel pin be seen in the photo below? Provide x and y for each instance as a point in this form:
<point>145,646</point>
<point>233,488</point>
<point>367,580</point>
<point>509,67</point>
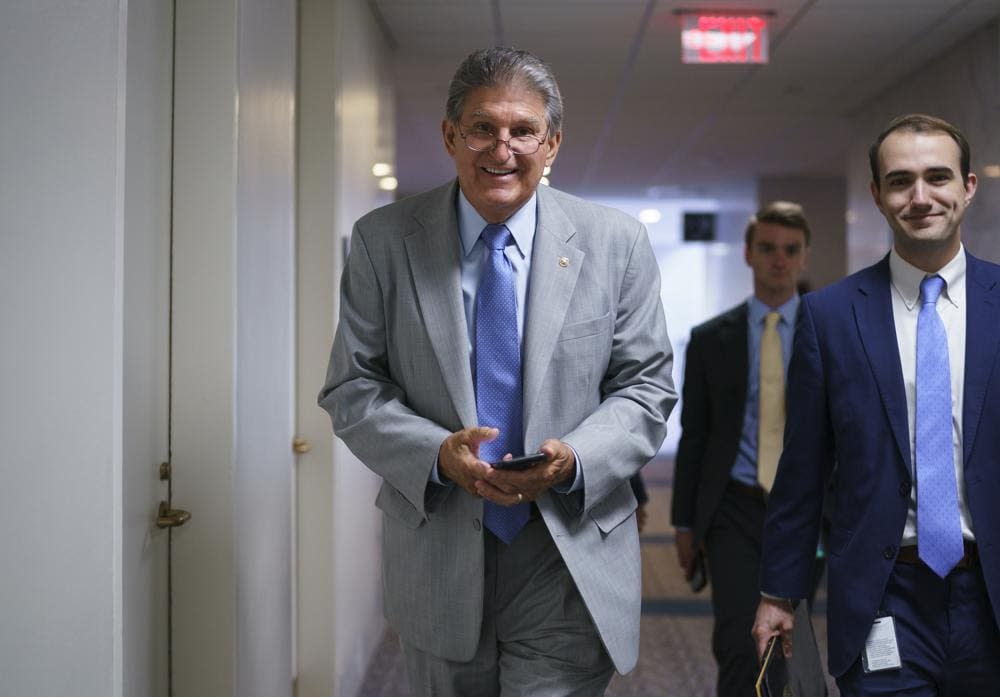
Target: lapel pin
<point>564,261</point>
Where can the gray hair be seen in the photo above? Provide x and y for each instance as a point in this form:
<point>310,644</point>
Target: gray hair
<point>500,66</point>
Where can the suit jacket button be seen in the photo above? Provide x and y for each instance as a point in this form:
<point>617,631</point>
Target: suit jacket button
<point>904,489</point>
<point>889,552</point>
<point>477,525</point>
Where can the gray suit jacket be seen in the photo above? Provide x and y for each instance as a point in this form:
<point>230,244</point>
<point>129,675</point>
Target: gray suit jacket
<point>597,375</point>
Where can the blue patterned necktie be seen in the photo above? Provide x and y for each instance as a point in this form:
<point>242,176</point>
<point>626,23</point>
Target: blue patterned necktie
<point>498,372</point>
<point>939,527</point>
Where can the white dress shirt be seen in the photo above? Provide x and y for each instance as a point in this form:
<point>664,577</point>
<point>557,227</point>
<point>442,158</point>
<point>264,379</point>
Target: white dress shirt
<point>951,307</point>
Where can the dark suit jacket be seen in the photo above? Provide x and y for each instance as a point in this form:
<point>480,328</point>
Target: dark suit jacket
<point>846,400</point>
<point>712,412</point>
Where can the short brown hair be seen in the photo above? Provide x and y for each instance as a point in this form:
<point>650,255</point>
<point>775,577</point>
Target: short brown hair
<point>920,123</point>
<point>784,213</point>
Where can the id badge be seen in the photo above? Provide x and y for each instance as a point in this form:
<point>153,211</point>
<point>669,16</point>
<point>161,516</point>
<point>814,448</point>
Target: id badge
<point>881,648</point>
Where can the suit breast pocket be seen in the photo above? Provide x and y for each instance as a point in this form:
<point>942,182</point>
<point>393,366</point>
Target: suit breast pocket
<point>589,327</point>
<point>580,359</point>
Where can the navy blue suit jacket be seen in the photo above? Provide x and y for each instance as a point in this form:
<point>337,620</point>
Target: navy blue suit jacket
<point>846,404</point>
<point>714,408</point>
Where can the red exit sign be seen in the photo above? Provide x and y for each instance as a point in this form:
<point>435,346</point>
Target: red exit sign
<point>713,38</point>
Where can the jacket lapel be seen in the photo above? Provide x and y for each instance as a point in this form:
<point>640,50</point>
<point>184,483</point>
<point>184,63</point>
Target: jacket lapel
<point>432,246</point>
<point>550,287</point>
<point>873,314</point>
<point>982,331</point>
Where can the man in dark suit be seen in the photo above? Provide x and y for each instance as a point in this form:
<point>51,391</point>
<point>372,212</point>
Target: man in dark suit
<point>719,491</point>
<point>893,376</point>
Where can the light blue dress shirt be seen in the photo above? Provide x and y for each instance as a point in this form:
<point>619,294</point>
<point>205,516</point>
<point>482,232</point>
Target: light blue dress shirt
<point>745,467</point>
<point>473,254</point>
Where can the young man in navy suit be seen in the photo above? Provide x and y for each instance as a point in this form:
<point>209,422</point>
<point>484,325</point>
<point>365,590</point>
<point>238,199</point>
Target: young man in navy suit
<point>894,377</point>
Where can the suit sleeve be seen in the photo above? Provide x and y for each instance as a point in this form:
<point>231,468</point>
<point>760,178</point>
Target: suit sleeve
<point>367,407</point>
<point>694,434</point>
<point>637,390</point>
<point>795,505</point>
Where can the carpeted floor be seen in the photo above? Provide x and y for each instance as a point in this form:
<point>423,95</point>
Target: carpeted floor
<point>675,656</point>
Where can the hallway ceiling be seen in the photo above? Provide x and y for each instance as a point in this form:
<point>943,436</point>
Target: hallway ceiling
<point>639,122</point>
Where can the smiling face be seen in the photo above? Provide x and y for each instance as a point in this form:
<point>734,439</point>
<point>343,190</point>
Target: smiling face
<point>922,195</point>
<point>498,183</point>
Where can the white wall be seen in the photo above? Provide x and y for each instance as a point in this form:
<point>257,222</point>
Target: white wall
<point>825,202</point>
<point>962,85</point>
<point>62,91</point>
<point>345,125</point>
<point>263,476</point>
<point>232,347</point>
<point>316,290</point>
<point>364,117</point>
<point>203,346</point>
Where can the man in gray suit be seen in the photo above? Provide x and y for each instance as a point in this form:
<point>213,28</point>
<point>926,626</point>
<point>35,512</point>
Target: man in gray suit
<point>482,320</point>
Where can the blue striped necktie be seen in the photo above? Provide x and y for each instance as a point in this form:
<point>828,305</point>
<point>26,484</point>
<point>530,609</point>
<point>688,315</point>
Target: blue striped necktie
<point>498,372</point>
<point>939,527</point>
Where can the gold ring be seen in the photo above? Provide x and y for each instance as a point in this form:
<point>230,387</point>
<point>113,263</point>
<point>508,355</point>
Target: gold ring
<point>520,499</point>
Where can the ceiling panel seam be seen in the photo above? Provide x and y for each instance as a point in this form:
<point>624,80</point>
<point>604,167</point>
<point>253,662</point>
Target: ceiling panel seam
<point>699,133</point>
<point>628,69</point>
<point>903,46</point>
<point>498,39</point>
<point>383,25</point>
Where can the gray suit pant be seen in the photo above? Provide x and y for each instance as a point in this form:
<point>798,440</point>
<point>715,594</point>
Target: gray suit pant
<point>537,637</point>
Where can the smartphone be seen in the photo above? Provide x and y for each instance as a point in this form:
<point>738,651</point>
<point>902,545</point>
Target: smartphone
<point>519,463</point>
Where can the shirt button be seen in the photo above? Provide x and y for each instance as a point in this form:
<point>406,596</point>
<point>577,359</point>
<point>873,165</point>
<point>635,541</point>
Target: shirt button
<point>477,525</point>
<point>889,552</point>
<point>904,488</point>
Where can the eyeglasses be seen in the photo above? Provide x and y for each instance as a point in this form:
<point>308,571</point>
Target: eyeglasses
<point>482,140</point>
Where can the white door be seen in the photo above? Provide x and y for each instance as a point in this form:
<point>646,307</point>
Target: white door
<point>232,344</point>
<point>145,345</point>
<point>84,248</point>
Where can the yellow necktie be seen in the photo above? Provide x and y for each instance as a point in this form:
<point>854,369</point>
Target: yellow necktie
<point>771,416</point>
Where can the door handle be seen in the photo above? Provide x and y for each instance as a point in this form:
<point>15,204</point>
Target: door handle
<point>168,517</point>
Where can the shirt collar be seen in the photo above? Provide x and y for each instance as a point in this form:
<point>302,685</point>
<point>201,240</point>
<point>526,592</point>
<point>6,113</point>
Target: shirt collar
<point>758,310</point>
<point>906,278</point>
<point>521,225</point>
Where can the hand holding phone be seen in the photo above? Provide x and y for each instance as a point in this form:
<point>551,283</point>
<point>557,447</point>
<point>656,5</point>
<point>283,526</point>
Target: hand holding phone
<point>519,463</point>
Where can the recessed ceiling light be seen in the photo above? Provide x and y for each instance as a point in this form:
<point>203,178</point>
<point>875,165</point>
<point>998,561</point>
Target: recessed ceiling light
<point>388,183</point>
<point>547,171</point>
<point>545,180</point>
<point>650,215</point>
<point>382,169</point>
<point>991,171</point>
